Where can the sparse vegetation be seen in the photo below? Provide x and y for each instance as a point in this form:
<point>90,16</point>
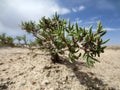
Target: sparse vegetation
<point>6,40</point>
<point>59,35</point>
<point>22,40</point>
<point>19,41</point>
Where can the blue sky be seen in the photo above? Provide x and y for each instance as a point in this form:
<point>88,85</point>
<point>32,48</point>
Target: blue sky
<point>85,12</point>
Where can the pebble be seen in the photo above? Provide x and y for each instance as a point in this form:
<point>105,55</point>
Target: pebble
<point>37,89</point>
<point>45,82</point>
<point>72,75</point>
<point>23,83</point>
<point>51,89</point>
<point>1,63</point>
<point>115,86</point>
<point>47,67</point>
<point>3,86</point>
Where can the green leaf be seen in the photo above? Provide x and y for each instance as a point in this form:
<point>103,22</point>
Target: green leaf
<point>72,58</point>
<point>72,49</point>
<point>102,49</point>
<point>69,25</point>
<point>72,27</point>
<point>105,41</point>
<point>94,59</point>
<point>87,38</point>
<point>90,30</point>
<point>99,27</point>
<point>77,27</point>
<point>79,54</point>
<point>97,37</point>
<point>60,34</point>
<point>90,61</point>
<point>84,55</point>
<point>103,33</point>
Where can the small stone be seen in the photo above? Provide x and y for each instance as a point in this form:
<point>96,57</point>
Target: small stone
<point>3,86</point>
<point>72,75</point>
<point>8,78</point>
<point>51,89</point>
<point>33,83</point>
<point>21,73</point>
<point>64,82</point>
<point>23,83</point>
<point>1,63</point>
<point>57,71</point>
<point>45,82</point>
<point>115,87</point>
<point>19,58</point>
<point>31,68</point>
<point>37,89</point>
<point>1,79</point>
<point>47,67</point>
<point>11,59</point>
<point>48,74</point>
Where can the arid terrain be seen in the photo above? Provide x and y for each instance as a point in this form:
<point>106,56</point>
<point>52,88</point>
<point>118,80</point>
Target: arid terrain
<point>23,69</point>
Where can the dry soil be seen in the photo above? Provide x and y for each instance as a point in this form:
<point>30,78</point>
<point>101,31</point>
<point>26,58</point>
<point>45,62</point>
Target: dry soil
<point>23,69</point>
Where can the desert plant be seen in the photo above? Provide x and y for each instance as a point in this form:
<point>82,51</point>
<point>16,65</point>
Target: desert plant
<point>2,38</point>
<point>10,41</point>
<point>24,39</point>
<point>6,40</point>
<point>59,35</point>
<point>18,38</point>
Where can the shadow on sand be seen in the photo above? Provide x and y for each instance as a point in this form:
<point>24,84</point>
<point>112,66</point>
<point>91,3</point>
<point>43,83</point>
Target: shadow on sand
<point>88,79</point>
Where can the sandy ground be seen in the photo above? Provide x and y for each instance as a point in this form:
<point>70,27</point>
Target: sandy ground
<point>22,70</point>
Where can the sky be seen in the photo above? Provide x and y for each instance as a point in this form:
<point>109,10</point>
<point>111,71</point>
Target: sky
<point>84,12</point>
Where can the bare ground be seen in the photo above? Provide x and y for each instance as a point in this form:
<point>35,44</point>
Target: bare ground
<point>22,70</point>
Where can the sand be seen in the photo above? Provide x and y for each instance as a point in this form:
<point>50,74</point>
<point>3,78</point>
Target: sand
<point>22,69</point>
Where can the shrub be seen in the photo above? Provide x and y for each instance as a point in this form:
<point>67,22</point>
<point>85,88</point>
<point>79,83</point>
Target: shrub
<point>35,43</point>
<point>59,35</point>
<point>6,40</point>
<point>22,40</point>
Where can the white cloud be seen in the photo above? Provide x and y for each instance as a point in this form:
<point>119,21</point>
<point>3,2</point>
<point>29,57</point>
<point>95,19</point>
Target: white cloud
<point>80,8</point>
<point>95,18</point>
<point>35,9</point>
<point>112,29</point>
<point>74,10</point>
<point>104,4</point>
<point>86,23</point>
<point>90,22</point>
<point>93,21</point>
<point>108,29</point>
<point>78,20</point>
<point>15,11</point>
<point>10,31</point>
<point>62,11</point>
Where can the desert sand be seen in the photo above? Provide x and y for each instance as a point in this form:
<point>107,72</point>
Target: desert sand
<point>23,69</point>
